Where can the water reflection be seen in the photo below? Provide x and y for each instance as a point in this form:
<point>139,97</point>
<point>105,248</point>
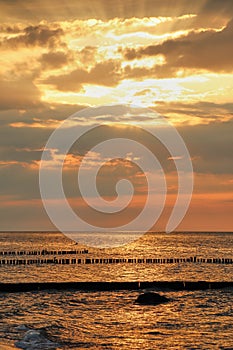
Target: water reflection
<point>112,320</point>
<point>148,246</point>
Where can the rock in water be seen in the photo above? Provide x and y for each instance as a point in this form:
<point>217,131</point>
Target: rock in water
<point>150,298</point>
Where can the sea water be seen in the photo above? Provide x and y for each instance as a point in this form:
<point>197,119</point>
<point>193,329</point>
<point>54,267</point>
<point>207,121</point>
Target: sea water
<point>111,320</point>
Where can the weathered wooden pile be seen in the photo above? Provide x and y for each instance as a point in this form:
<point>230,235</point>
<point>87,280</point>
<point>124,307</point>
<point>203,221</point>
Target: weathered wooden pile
<point>54,257</point>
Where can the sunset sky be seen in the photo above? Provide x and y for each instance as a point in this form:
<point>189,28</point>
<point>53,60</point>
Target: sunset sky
<point>174,57</point>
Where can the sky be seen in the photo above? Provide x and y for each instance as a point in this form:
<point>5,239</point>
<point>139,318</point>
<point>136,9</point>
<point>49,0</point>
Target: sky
<point>174,58</point>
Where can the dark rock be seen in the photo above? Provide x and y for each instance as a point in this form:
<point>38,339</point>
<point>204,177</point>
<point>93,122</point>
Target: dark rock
<point>150,298</point>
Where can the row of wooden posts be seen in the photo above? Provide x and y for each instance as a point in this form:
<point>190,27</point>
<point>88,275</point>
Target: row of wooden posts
<point>74,261</point>
<point>43,252</point>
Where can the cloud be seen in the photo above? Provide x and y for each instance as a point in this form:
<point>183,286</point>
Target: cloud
<point>87,54</point>
<point>104,73</point>
<point>210,146</point>
<point>108,9</point>
<point>210,50</point>
<point>209,143</point>
<point>56,59</point>
<point>74,46</point>
<point>18,94</point>
<point>19,155</point>
<point>213,14</point>
<point>157,71</point>
<point>38,35</point>
<point>201,112</point>
<point>213,183</point>
<point>43,114</point>
<point>101,9</point>
<point>10,29</point>
<point>22,138</point>
<point>20,181</point>
<point>213,7</point>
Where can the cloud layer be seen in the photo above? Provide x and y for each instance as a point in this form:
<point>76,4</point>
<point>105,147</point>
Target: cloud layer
<point>58,58</point>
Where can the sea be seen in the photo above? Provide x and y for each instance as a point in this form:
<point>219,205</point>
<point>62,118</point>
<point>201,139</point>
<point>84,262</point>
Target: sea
<point>74,319</point>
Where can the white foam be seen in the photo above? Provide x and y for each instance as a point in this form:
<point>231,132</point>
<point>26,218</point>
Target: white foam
<point>35,340</point>
<point>22,327</point>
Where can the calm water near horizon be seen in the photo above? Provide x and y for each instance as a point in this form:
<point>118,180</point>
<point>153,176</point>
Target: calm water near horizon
<point>111,320</point>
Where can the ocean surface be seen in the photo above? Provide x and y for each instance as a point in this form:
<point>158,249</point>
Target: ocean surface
<point>110,319</point>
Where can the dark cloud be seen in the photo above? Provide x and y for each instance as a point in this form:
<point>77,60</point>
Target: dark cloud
<point>39,35</point>
<point>200,110</point>
<point>10,29</point>
<point>18,94</point>
<point>21,138</point>
<point>19,181</point>
<point>208,50</point>
<point>219,7</point>
<point>87,54</point>
<point>55,59</point>
<point>213,14</point>
<point>104,73</point>
<point>23,155</point>
<point>210,146</point>
<point>43,113</point>
<point>157,71</point>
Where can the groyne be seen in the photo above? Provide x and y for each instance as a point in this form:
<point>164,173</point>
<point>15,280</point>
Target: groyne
<point>113,286</point>
<point>19,260</point>
<point>42,252</point>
